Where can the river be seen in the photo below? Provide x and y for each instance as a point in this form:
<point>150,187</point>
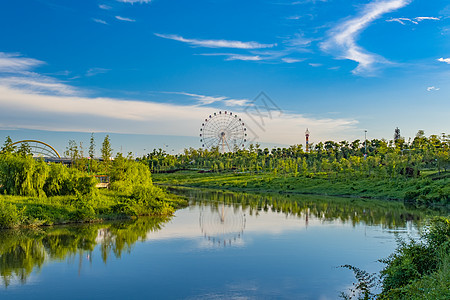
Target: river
<point>224,245</point>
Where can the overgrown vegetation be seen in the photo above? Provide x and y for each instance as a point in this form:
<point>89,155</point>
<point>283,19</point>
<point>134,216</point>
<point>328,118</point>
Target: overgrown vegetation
<point>36,193</point>
<point>418,269</point>
<point>416,171</point>
<point>431,192</point>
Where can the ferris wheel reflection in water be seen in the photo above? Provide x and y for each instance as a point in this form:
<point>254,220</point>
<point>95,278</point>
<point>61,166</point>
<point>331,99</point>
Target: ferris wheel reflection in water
<point>223,227</point>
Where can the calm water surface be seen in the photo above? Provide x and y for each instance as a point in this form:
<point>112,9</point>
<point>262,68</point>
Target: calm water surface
<point>223,246</point>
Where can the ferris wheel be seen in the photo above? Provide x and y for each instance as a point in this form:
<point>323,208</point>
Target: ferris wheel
<point>224,130</point>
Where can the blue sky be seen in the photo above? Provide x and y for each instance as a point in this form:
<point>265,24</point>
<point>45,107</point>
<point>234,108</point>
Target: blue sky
<point>144,69</point>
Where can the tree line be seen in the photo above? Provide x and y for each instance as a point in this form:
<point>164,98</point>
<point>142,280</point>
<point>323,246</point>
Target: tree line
<point>371,158</point>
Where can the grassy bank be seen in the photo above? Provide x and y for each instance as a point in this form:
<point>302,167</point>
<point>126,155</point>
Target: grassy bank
<point>431,189</point>
<point>25,211</point>
<point>418,269</point>
<point>35,193</point>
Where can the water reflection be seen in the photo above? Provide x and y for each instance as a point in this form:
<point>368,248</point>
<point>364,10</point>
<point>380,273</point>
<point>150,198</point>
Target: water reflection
<point>224,226</point>
<point>222,220</point>
<point>22,251</point>
<point>390,214</point>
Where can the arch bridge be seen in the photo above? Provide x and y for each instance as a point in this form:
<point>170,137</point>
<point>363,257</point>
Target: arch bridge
<point>40,149</point>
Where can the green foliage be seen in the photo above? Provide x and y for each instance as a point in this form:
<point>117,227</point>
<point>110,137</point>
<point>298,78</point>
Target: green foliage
<point>436,191</point>
<point>417,269</point>
<point>362,289</point>
<point>7,146</point>
<point>10,215</point>
<point>25,176</point>
<point>92,147</point>
<point>106,150</point>
<point>22,175</point>
<point>343,161</point>
<point>58,194</point>
<point>126,173</point>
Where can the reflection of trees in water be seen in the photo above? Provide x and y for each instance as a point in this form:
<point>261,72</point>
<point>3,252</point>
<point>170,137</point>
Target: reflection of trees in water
<point>21,251</point>
<point>390,214</point>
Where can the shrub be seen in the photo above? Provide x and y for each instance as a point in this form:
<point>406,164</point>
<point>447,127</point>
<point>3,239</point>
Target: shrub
<point>10,215</point>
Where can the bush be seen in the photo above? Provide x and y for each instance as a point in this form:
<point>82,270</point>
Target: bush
<point>414,261</point>
<point>126,174</point>
<point>10,215</point>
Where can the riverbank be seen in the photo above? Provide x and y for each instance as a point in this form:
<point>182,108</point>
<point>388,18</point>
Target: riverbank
<point>24,211</point>
<point>429,190</point>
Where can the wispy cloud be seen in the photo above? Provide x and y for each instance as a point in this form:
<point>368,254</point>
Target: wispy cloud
<point>207,100</point>
<point>202,99</point>
<point>135,1</point>
<point>234,56</point>
<point>216,43</point>
<point>342,38</point>
<point>291,60</point>
<point>244,57</point>
<point>16,72</point>
<point>96,71</point>
<point>38,84</point>
<point>432,88</point>
<point>14,62</point>
<point>445,60</point>
<point>26,109</point>
<point>125,19</point>
<point>416,20</point>
<point>294,18</point>
<point>100,21</point>
<point>427,18</point>
<point>104,6</point>
<point>298,41</point>
<point>315,65</point>
<point>236,102</point>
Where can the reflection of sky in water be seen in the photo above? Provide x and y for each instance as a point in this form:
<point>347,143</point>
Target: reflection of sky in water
<point>278,256</point>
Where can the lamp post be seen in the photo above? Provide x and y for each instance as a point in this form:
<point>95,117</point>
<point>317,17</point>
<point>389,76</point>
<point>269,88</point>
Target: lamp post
<point>307,139</point>
<point>365,143</point>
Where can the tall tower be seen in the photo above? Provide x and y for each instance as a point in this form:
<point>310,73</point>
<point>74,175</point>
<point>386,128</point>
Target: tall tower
<point>307,139</point>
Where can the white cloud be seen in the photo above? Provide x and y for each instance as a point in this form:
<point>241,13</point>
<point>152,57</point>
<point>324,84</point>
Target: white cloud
<point>416,20</point>
<point>427,18</point>
<point>291,60</point>
<point>234,56</point>
<point>236,102</point>
<point>342,38</point>
<point>27,109</point>
<point>402,20</point>
<point>104,6</point>
<point>125,19</point>
<point>38,84</point>
<point>446,60</point>
<point>13,63</point>
<point>432,88</point>
<point>32,101</point>
<point>216,43</point>
<point>202,99</point>
<point>99,21</point>
<point>244,57</point>
<point>315,65</point>
<point>96,71</point>
<point>207,100</point>
<point>135,1</point>
<point>298,41</point>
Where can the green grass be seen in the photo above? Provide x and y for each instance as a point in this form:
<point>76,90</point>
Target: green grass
<point>22,211</point>
<point>426,190</point>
